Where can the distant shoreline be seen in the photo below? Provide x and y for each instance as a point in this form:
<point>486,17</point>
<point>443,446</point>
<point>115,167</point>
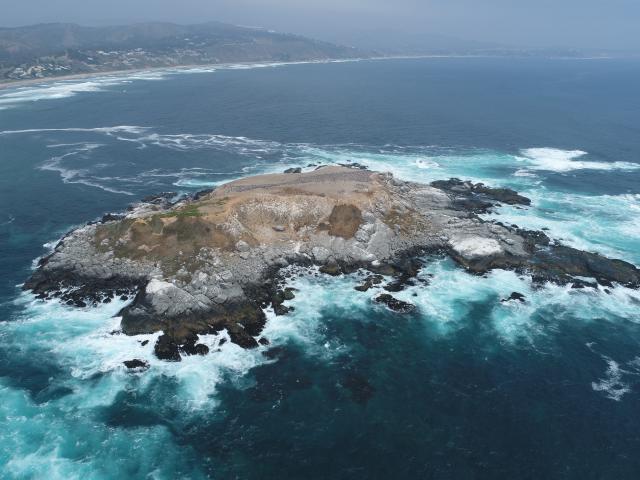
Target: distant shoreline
<point>6,84</point>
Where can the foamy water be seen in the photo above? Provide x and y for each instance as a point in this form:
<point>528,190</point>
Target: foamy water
<point>466,384</point>
<point>52,89</point>
<point>609,224</point>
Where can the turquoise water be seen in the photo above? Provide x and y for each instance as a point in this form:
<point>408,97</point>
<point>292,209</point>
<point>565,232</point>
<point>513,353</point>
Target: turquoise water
<point>466,387</point>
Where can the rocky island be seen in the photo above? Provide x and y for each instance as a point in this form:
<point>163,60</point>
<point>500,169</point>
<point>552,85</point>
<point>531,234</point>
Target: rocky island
<point>210,261</point>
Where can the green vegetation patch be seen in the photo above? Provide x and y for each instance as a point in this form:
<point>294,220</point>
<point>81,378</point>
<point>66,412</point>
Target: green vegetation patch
<point>183,212</point>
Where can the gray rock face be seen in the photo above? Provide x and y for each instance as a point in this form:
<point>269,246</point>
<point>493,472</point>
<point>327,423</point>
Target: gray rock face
<point>223,273</point>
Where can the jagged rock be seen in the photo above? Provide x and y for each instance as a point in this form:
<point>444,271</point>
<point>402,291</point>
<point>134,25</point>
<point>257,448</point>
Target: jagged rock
<point>293,170</point>
<point>394,304</point>
<point>369,282</point>
<point>514,296</point>
<point>288,293</point>
<point>197,349</point>
<point>159,198</point>
<point>242,246</point>
<point>355,165</point>
<point>559,263</point>
<point>111,217</point>
<point>167,349</point>
<point>280,309</point>
<point>580,284</point>
<point>478,192</point>
<point>279,297</point>
<point>320,254</point>
<point>191,347</point>
<point>136,364</point>
<point>332,269</point>
<point>240,337</point>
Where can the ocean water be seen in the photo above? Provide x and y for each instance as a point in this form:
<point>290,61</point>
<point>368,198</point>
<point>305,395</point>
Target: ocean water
<point>465,387</point>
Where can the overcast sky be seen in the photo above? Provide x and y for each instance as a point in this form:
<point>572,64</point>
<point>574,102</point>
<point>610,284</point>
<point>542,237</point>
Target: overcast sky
<point>571,23</point>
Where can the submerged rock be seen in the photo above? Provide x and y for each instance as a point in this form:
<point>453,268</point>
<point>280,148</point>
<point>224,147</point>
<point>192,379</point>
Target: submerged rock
<point>361,390</point>
<point>275,353</point>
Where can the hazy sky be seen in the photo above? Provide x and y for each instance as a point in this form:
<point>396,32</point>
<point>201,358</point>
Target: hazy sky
<point>572,23</point>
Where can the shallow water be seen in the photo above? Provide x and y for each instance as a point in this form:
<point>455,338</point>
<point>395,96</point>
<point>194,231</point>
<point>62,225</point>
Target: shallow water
<point>467,386</point>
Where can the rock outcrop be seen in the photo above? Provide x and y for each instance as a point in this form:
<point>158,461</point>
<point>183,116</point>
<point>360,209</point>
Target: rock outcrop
<point>209,262</point>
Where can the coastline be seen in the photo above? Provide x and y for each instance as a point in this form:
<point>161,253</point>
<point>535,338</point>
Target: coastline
<point>8,84</point>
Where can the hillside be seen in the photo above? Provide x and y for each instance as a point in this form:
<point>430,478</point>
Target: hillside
<point>47,50</point>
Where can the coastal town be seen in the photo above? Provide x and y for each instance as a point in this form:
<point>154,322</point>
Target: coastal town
<point>90,61</point>
<point>55,50</point>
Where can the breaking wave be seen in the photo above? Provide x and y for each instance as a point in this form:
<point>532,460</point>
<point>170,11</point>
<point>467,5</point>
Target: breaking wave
<point>609,224</point>
<point>51,89</point>
<point>556,160</point>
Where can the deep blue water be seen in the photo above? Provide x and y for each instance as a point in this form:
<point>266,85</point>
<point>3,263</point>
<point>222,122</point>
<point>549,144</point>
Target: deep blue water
<point>467,387</point>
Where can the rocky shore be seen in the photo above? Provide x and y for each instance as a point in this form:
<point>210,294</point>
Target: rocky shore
<point>211,262</point>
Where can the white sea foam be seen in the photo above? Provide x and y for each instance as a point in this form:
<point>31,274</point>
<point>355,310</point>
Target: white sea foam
<point>316,294</point>
<point>44,440</point>
<point>79,176</point>
<point>135,130</point>
<point>524,173</point>
<point>82,341</point>
<point>49,92</point>
<point>9,221</point>
<point>52,89</point>
<point>183,142</point>
<point>612,383</point>
<point>556,160</point>
<point>609,224</point>
<point>426,163</point>
<point>447,302</point>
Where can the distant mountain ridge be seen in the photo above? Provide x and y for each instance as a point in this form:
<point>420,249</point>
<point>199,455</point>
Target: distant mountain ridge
<point>45,50</point>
